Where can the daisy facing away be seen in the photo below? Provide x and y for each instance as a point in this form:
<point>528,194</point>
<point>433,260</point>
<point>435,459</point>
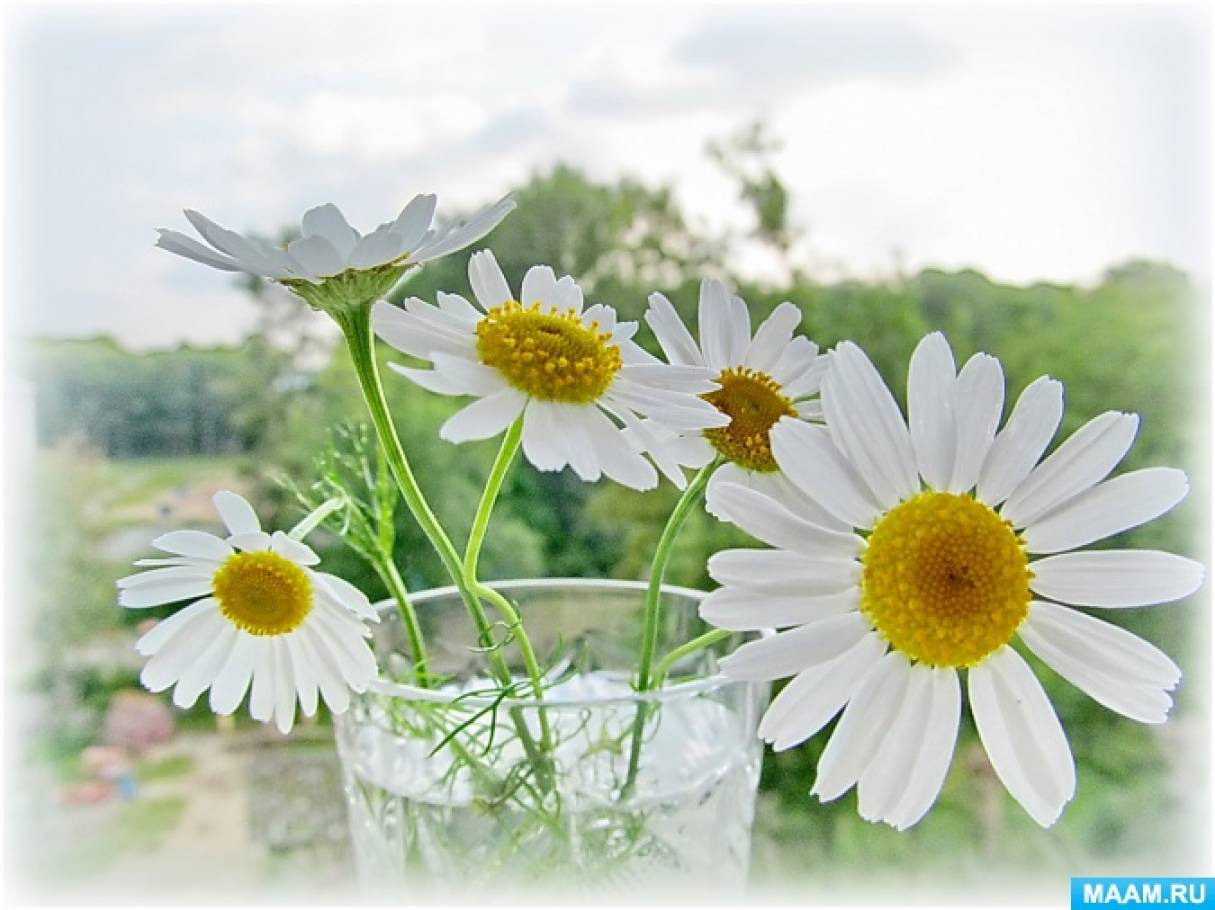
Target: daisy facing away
<point>966,541</point>
<point>331,264</point>
<point>566,370</point>
<point>761,379</point>
<point>265,620</point>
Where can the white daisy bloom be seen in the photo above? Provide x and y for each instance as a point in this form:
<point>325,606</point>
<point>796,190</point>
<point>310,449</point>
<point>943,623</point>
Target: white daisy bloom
<point>265,620</point>
<point>761,378</point>
<point>968,541</point>
<point>565,369</point>
<point>332,262</point>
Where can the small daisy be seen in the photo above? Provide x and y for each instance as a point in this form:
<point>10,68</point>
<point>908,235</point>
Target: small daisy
<point>762,379</point>
<point>951,512</point>
<point>333,256</point>
<point>266,618</point>
<point>565,369</point>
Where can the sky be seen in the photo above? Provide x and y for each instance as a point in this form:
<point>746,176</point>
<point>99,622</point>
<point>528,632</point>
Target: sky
<point>1033,142</point>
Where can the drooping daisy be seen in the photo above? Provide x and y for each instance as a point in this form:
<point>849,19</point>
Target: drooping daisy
<point>762,379</point>
<point>331,262</point>
<point>266,619</point>
<point>968,541</point>
<point>565,369</point>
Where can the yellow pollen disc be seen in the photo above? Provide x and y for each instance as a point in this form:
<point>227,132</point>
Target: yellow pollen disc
<point>551,356</point>
<point>754,404</point>
<point>946,580</point>
<point>262,592</point>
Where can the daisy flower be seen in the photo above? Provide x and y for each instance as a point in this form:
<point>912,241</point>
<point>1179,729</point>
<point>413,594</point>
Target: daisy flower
<point>966,542</point>
<point>565,369</point>
<point>761,379</point>
<point>331,262</point>
<point>265,620</point>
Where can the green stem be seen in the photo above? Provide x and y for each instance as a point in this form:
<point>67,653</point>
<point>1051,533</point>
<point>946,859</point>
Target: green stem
<point>355,324</point>
<point>387,571</point>
<point>653,595</point>
<point>476,537</point>
<point>709,638</point>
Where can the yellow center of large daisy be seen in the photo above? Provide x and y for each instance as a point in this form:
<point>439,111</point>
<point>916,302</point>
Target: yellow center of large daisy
<point>754,403</point>
<point>551,356</point>
<point>262,593</point>
<point>946,580</point>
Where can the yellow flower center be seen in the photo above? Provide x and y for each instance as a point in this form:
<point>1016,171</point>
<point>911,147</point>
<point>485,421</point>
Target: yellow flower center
<point>754,404</point>
<point>946,580</point>
<point>262,592</point>
<point>551,356</point>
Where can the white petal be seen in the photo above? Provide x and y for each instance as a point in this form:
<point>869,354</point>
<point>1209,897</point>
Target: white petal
<point>456,307</point>
<point>798,358</point>
<point>156,637</point>
<point>1025,436</point>
<point>1022,735</point>
<point>541,437</point>
<point>414,219</point>
<point>252,542</point>
<point>232,682</point>
<point>431,380</point>
<point>165,589</point>
<point>927,774</point>
<point>769,521</point>
<point>743,610</point>
<point>643,434</point>
<point>1116,578</point>
<point>236,513</point>
<point>213,645</point>
<point>1108,508</point>
<point>1083,459</point>
<point>815,696</point>
<point>179,243</point>
<point>242,249</point>
<point>931,406</point>
<point>885,783</point>
<point>345,641</point>
<point>410,333</point>
<point>179,652</point>
<point>327,221</point>
<point>602,318</point>
<point>714,323</point>
<point>476,378</point>
<point>1112,666</point>
<point>673,336</point>
<point>196,544</point>
<point>377,248</point>
<point>691,379</point>
<point>808,457</point>
<point>295,550</point>
<point>869,714</point>
<point>485,417</point>
<point>780,570</point>
<point>738,330</point>
<point>466,234</point>
<point>569,295</point>
<point>169,574</point>
<point>304,662</point>
<point>786,653</point>
<point>772,337</point>
<point>347,596</point>
<point>539,286</point>
<point>776,485</point>
<point>488,283</point>
<point>317,255</point>
<point>261,699</point>
<point>617,457</point>
<point>284,686</point>
<point>980,404</point>
<point>867,426</point>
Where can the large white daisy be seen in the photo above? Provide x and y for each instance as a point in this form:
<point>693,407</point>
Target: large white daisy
<point>266,619</point>
<point>761,380</point>
<point>332,254</point>
<point>940,580</point>
<point>562,367</point>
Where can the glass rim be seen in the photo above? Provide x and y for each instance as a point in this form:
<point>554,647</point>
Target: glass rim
<point>381,686</point>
